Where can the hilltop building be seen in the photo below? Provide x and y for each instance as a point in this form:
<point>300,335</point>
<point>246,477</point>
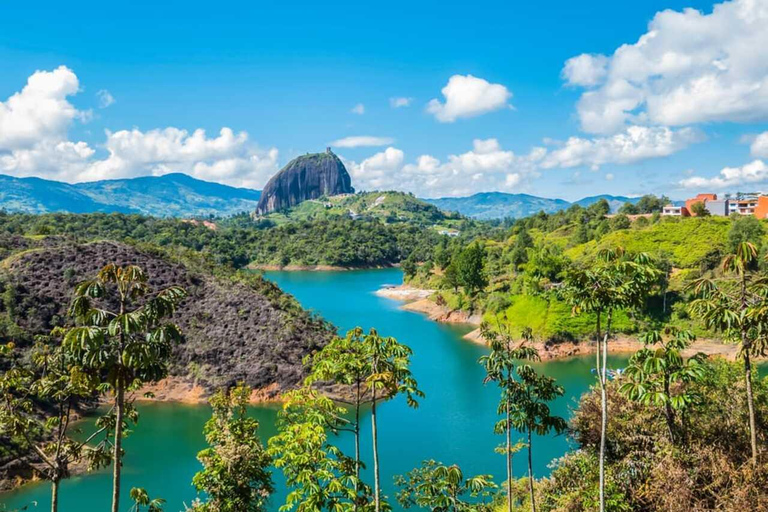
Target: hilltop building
<point>743,204</point>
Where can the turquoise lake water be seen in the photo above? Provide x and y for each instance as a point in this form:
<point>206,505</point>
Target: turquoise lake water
<point>454,423</point>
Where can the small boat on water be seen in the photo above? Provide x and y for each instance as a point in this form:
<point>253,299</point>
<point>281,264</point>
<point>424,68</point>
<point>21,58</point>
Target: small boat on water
<point>611,373</point>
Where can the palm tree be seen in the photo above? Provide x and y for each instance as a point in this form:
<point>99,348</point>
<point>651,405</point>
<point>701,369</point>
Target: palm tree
<point>390,376</point>
<point>500,368</point>
<point>344,361</point>
<point>736,305</point>
<point>129,347</point>
<point>658,375</point>
<point>52,378</point>
<point>616,280</point>
<point>531,413</point>
<point>442,488</point>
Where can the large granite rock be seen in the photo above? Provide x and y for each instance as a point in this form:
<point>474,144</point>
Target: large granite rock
<point>305,177</point>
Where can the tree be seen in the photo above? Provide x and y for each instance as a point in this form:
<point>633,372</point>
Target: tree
<point>390,376</point>
<point>629,209</point>
<point>658,375</point>
<point>735,305</point>
<point>745,228</point>
<point>130,347</point>
<point>581,235</point>
<point>470,268</point>
<point>620,221</point>
<point>52,378</point>
<point>451,276</point>
<point>443,488</point>
<point>141,499</point>
<point>372,368</point>
<point>235,475</point>
<point>699,209</point>
<point>319,474</point>
<point>409,267</point>
<point>531,413</point>
<point>346,361</point>
<point>616,280</point>
<point>500,368</point>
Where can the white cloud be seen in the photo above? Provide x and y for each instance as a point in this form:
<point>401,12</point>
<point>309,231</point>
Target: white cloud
<point>228,158</point>
<point>358,109</point>
<point>400,102</point>
<point>609,177</point>
<point>759,146</point>
<point>689,67</point>
<point>632,145</point>
<point>753,172</point>
<point>585,69</point>
<point>105,98</point>
<point>41,111</point>
<point>468,96</point>
<point>486,167</point>
<point>33,142</point>
<point>359,141</point>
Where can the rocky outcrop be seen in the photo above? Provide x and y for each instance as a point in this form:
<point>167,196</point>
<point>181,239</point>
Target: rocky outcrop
<point>305,177</point>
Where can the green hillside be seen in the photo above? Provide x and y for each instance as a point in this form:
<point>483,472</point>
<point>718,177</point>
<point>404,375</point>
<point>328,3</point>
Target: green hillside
<point>686,241</point>
<point>523,270</point>
<point>389,207</point>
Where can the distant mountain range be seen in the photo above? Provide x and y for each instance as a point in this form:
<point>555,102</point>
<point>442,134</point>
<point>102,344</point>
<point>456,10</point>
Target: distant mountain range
<point>171,195</point>
<point>179,195</point>
<point>499,205</point>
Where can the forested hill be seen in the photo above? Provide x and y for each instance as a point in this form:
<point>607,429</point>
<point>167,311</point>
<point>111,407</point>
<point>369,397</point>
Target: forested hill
<point>500,205</point>
<point>260,334</point>
<point>388,207</point>
<point>171,195</point>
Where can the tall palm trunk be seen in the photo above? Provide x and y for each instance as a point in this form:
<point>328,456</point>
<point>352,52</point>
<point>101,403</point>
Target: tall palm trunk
<point>604,408</point>
<point>118,444</point>
<point>745,348</point>
<point>375,436</point>
<point>750,406</point>
<point>530,471</point>
<point>669,413</point>
<point>117,454</point>
<point>55,495</point>
<point>357,444</point>
<point>509,461</point>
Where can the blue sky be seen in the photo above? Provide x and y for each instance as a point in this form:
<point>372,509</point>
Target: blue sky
<point>289,75</point>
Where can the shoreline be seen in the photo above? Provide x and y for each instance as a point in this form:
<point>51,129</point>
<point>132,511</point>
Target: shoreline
<point>417,300</point>
<point>314,268</point>
<point>180,390</point>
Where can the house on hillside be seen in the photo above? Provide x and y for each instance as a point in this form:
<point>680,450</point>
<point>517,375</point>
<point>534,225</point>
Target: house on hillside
<point>675,211</point>
<point>742,204</point>
<point>700,198</point>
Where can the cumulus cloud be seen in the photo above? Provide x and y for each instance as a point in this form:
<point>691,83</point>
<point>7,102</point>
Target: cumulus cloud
<point>632,145</point>
<point>751,173</point>
<point>585,70</point>
<point>40,111</point>
<point>105,98</point>
<point>359,141</point>
<point>468,96</point>
<point>759,146</point>
<point>689,67</point>
<point>358,109</point>
<point>227,158</point>
<point>34,141</point>
<point>487,166</point>
<point>400,102</point>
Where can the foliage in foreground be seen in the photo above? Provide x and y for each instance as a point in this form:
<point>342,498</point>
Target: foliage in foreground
<point>235,475</point>
<point>710,470</point>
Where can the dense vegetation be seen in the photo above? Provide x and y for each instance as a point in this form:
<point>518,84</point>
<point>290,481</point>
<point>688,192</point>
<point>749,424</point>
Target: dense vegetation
<point>673,432</point>
<point>521,272</point>
<point>240,241</point>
